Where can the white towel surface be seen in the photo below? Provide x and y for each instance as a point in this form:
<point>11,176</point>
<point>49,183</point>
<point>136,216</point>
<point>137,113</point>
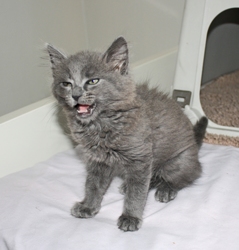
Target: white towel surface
<point>35,209</point>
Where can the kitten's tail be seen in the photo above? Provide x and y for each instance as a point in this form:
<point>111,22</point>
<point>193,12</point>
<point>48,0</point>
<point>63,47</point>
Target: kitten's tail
<point>200,129</point>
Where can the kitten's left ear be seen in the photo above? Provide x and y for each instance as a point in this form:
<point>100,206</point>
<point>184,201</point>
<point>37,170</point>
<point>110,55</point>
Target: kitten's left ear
<point>56,56</point>
<point>117,56</point>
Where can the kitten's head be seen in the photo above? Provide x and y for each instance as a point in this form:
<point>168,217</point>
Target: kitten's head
<point>89,83</point>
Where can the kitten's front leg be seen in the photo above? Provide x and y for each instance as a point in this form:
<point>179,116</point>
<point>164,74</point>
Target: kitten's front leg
<point>98,180</point>
<point>135,199</point>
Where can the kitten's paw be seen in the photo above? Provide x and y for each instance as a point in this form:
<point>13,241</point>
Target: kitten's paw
<point>129,223</point>
<point>79,210</point>
<point>165,194</point>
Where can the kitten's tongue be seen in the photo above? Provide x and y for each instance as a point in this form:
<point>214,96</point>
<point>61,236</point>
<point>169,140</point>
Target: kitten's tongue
<point>83,109</point>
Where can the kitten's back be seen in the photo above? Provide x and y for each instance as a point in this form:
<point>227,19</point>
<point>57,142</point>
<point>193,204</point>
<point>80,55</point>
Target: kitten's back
<point>170,127</point>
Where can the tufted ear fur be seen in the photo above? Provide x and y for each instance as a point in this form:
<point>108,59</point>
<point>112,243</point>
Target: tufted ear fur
<point>117,56</point>
<point>56,56</point>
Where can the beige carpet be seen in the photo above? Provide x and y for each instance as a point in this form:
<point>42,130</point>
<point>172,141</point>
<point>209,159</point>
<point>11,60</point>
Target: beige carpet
<point>220,102</point>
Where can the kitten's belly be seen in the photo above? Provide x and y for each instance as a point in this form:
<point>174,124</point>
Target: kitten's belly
<point>120,156</point>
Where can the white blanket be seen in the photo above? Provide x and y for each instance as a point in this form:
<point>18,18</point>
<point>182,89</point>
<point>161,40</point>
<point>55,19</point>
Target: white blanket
<point>35,209</point>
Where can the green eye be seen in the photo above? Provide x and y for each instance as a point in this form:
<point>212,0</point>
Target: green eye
<point>93,81</point>
<point>66,84</point>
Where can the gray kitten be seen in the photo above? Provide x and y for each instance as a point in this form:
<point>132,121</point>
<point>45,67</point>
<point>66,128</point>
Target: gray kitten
<point>125,130</point>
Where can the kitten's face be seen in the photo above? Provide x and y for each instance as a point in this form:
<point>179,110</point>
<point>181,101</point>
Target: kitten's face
<point>89,83</point>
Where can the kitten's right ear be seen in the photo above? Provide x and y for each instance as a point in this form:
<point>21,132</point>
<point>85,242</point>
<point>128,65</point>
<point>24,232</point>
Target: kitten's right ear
<point>56,56</point>
<point>117,56</point>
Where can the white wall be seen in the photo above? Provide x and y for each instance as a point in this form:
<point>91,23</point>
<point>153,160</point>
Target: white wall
<point>25,26</point>
<point>151,26</point>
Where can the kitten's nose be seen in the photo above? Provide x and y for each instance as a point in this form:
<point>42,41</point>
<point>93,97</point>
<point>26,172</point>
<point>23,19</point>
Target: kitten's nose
<point>75,97</point>
<point>77,93</point>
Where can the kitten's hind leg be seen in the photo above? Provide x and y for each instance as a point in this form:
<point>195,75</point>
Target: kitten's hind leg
<point>164,193</point>
<point>177,173</point>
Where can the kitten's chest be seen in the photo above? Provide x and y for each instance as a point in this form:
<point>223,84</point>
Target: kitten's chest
<point>116,139</point>
<point>99,143</point>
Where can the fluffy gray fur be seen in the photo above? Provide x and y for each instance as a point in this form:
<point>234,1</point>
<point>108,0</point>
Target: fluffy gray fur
<point>123,129</point>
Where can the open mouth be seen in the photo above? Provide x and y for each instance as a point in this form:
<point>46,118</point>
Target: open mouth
<point>85,110</point>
